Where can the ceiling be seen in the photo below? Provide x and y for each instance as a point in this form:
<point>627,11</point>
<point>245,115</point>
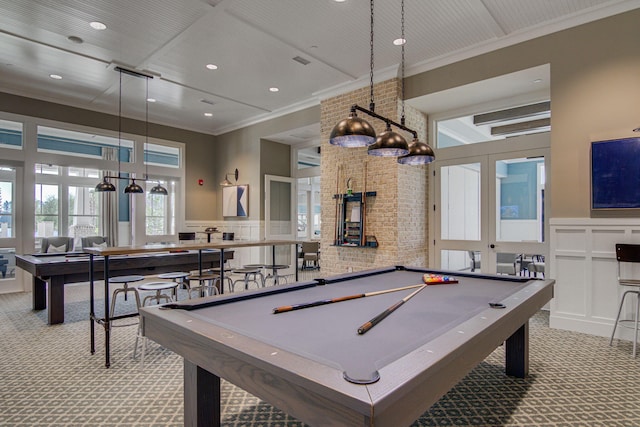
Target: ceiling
<point>254,44</point>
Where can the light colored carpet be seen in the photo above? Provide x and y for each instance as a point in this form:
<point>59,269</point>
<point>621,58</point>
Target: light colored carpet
<point>49,378</point>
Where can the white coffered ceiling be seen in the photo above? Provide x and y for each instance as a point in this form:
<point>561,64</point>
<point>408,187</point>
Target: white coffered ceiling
<point>253,43</point>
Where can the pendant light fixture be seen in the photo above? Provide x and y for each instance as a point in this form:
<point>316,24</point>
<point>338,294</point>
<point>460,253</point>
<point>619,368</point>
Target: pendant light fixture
<point>420,153</point>
<point>389,144</point>
<point>105,185</point>
<point>354,131</point>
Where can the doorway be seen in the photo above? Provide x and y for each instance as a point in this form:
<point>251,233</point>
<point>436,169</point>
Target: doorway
<point>490,214</point>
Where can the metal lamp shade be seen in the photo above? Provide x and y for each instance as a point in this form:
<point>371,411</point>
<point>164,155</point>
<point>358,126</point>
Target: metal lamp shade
<point>420,153</point>
<point>105,186</point>
<point>389,144</point>
<point>352,132</point>
<point>159,190</point>
<point>133,188</point>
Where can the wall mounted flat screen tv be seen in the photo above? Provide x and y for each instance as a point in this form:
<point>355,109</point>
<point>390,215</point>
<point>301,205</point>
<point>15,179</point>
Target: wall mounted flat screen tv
<point>615,174</point>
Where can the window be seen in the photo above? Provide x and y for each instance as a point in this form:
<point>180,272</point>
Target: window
<point>84,212</point>
<point>80,215</point>
<point>82,144</point>
<point>161,155</point>
<point>47,212</point>
<point>10,134</point>
<point>494,125</point>
<point>161,210</point>
<point>7,179</point>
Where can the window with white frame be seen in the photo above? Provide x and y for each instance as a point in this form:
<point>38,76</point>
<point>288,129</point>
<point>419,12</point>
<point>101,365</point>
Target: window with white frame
<point>7,196</point>
<point>160,218</point>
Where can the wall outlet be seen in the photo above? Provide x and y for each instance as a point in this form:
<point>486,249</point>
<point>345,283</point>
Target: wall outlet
<point>349,269</point>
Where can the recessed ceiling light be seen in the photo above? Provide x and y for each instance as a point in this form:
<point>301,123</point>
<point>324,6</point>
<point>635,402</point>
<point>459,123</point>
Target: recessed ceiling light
<point>97,25</point>
<point>537,81</point>
<point>208,114</point>
<point>273,89</point>
<point>211,66</point>
<point>55,76</point>
<point>399,42</point>
<point>151,100</point>
<point>340,1</point>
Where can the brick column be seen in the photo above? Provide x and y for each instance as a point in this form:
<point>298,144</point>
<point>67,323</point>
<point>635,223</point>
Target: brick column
<point>398,215</point>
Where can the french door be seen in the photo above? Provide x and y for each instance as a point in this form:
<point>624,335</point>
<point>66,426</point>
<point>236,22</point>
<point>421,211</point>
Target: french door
<point>490,207</point>
<point>280,217</point>
<point>10,228</point>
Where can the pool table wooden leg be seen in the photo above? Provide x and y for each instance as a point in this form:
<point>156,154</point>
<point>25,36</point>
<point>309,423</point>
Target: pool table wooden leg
<point>517,352</point>
<point>39,293</point>
<point>201,397</point>
<point>55,295</point>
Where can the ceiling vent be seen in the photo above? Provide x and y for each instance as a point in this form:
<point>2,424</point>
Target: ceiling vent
<point>301,60</point>
<point>207,101</point>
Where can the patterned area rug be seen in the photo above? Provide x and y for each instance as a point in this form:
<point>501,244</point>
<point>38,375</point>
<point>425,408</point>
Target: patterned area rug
<point>49,378</point>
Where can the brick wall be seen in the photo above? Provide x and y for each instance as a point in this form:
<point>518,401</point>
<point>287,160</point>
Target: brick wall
<point>397,216</point>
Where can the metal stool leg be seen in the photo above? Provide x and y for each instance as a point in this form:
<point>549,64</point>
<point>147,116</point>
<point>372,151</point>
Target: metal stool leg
<point>635,329</point>
<point>615,324</point>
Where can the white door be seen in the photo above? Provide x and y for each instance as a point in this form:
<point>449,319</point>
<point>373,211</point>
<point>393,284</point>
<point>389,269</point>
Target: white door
<point>280,217</point>
<point>10,229</point>
<point>490,210</point>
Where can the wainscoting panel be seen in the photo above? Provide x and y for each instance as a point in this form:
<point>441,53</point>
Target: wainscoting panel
<point>583,263</point>
<point>243,230</point>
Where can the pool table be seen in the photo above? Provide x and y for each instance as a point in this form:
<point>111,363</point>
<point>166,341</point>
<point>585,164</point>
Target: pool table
<point>312,363</point>
<point>51,272</point>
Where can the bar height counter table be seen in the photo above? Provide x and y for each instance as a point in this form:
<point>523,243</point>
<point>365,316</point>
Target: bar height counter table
<point>106,253</point>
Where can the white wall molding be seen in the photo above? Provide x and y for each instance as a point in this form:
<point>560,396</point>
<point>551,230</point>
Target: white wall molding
<point>243,230</point>
<point>583,263</point>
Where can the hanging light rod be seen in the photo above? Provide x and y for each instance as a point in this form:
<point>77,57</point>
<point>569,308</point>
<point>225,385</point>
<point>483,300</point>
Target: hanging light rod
<point>133,188</point>
<point>384,119</point>
<point>119,67</point>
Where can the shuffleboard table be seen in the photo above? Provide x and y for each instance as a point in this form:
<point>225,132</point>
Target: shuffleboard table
<point>313,364</point>
<point>52,271</point>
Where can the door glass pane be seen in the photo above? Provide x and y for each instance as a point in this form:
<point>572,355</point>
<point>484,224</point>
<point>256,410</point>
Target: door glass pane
<point>460,260</point>
<point>160,215</point>
<point>46,210</point>
<point>7,263</point>
<point>315,208</point>
<point>460,202</point>
<point>84,212</point>
<point>303,211</point>
<point>7,179</point>
<point>280,217</point>
<point>520,200</point>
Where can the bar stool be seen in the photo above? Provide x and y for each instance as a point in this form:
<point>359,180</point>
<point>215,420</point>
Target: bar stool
<point>178,277</point>
<point>125,280</point>
<point>158,287</point>
<point>260,268</point>
<point>248,274</point>
<point>628,253</point>
<point>275,276</point>
<point>202,279</point>
<point>228,279</point>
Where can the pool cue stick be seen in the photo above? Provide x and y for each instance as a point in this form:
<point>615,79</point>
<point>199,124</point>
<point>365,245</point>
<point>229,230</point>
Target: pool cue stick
<point>341,210</point>
<point>285,308</point>
<point>335,230</point>
<point>373,322</point>
<point>364,207</point>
